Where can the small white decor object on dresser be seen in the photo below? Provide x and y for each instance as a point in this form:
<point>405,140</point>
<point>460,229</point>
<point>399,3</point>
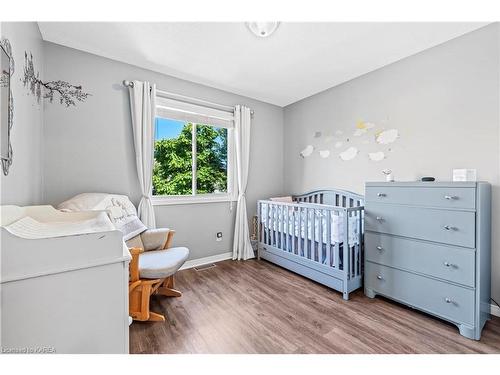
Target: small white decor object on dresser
<point>428,245</point>
<point>462,175</point>
<point>64,282</point>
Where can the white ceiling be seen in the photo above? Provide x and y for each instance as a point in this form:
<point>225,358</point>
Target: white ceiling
<point>299,60</point>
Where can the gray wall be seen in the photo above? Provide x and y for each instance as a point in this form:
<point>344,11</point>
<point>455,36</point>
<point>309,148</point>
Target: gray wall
<point>445,104</point>
<point>23,185</point>
<point>89,148</point>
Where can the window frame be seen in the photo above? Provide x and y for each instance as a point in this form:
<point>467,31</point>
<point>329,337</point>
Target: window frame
<point>194,198</point>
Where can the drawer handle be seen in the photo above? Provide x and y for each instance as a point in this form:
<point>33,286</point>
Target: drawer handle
<point>380,248</point>
<point>450,197</point>
<point>379,218</point>
<point>381,195</point>
<point>448,264</point>
<point>449,227</point>
<point>380,277</point>
<point>449,300</point>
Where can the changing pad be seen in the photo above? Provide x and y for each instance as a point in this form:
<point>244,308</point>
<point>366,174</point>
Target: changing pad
<point>29,228</point>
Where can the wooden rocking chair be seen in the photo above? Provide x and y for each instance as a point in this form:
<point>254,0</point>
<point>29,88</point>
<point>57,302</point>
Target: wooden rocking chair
<point>152,270</point>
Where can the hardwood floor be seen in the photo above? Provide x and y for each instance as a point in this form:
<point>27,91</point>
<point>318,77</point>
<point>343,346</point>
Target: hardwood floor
<point>257,307</point>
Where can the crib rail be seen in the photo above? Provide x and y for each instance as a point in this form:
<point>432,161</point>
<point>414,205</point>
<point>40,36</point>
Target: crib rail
<point>339,198</point>
<point>319,233</point>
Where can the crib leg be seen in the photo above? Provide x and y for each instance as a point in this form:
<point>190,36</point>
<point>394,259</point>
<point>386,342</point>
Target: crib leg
<point>345,296</point>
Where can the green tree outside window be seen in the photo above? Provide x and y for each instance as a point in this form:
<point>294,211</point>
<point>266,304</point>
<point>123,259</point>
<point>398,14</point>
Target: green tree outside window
<point>172,172</point>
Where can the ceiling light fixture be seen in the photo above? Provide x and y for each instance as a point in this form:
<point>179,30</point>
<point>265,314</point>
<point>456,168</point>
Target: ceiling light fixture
<point>262,29</point>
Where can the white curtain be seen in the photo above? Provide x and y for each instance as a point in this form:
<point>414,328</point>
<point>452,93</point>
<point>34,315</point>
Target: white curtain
<point>242,247</point>
<point>142,105</point>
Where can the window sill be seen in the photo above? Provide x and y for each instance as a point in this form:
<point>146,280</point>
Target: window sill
<point>168,201</point>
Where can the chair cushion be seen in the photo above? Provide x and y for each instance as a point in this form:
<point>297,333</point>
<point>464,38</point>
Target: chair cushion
<point>159,264</point>
<point>135,242</point>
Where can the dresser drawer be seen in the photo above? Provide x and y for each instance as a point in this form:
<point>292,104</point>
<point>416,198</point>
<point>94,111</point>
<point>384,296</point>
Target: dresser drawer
<point>445,197</point>
<point>445,262</point>
<point>446,226</point>
<point>437,297</point>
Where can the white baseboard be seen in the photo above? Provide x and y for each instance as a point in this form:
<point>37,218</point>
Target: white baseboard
<point>206,260</point>
<point>495,310</point>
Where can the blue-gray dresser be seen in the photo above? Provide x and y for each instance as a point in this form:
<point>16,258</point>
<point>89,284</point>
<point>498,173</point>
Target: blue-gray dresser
<point>428,245</point>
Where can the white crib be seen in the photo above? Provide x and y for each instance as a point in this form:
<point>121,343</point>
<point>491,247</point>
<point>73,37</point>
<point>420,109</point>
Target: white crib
<point>319,236</point>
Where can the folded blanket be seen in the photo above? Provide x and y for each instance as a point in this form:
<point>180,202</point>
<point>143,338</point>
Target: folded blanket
<point>120,210</point>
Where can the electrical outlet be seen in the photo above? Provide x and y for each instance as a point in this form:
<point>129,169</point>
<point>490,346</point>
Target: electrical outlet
<point>218,236</point>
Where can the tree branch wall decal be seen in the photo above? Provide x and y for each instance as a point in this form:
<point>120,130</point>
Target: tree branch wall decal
<point>68,93</point>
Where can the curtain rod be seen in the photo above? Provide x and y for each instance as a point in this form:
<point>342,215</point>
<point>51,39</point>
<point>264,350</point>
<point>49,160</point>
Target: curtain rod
<point>189,99</point>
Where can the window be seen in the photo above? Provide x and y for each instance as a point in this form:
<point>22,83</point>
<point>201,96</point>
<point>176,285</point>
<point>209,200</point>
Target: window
<point>193,154</point>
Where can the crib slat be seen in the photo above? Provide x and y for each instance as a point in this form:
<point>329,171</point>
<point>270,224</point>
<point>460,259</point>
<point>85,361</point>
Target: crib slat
<point>328,237</point>
<point>266,225</point>
<point>299,237</point>
<point>262,223</point>
<point>273,226</point>
<point>346,249</point>
<point>280,227</point>
<point>353,251</point>
<point>356,249</point>
<point>306,233</point>
<point>360,241</point>
<point>307,243</point>
<point>349,248</point>
<point>356,261</point>
<point>307,246</point>
<point>281,218</point>
<point>313,232</point>
<point>287,229</point>
<point>277,226</point>
<point>313,235</point>
<point>336,255</point>
<point>283,227</point>
<point>270,223</point>
<point>320,237</point>
<point>292,230</point>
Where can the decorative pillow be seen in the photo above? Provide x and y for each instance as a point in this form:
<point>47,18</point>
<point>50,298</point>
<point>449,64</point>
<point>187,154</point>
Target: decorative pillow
<point>287,199</point>
<point>120,210</point>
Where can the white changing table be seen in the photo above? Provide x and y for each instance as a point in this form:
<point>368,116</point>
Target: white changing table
<point>63,294</point>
